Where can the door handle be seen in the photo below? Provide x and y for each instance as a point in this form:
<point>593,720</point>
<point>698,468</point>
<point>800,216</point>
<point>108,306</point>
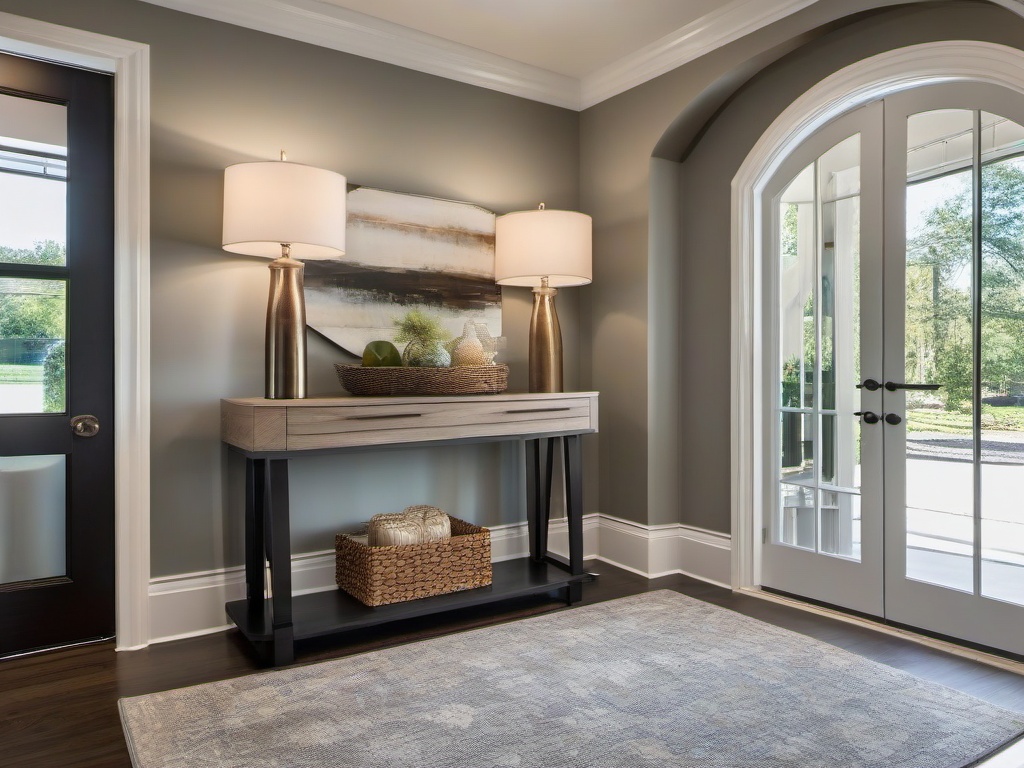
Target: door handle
<point>892,418</point>
<point>870,417</point>
<point>85,425</point>
<point>870,385</point>
<point>892,386</point>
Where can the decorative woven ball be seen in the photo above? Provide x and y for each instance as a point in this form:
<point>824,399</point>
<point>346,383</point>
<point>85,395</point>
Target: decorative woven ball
<point>414,525</point>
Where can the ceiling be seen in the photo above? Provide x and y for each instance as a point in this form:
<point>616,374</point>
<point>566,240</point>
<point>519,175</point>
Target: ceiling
<point>569,37</point>
<point>571,53</point>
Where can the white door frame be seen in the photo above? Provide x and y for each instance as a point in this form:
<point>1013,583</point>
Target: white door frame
<point>129,63</point>
<point>857,84</point>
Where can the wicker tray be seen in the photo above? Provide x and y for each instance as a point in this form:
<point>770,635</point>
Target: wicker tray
<point>395,380</point>
<point>384,575</point>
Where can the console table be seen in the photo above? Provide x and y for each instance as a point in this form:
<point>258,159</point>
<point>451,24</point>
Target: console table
<point>269,433</point>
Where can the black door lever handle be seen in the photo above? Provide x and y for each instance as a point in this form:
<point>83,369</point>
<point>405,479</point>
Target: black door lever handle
<point>870,417</point>
<point>892,386</point>
<point>869,384</point>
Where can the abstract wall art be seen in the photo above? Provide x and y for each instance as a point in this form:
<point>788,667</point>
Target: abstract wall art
<point>404,252</point>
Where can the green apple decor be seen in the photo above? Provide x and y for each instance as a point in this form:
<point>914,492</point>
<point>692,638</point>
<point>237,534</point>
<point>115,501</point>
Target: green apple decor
<point>382,353</point>
<point>425,336</point>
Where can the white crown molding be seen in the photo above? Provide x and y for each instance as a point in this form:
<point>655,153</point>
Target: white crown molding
<point>701,36</point>
<point>341,29</point>
<point>329,26</point>
<point>344,30</point>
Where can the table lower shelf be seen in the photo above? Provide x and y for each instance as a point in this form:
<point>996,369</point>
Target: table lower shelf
<point>330,612</point>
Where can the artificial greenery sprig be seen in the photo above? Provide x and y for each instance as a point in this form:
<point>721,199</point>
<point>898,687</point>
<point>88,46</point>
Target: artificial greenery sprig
<point>416,326</point>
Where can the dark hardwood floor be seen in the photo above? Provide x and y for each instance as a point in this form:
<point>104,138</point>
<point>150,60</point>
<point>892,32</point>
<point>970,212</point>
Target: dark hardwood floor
<point>60,708</point>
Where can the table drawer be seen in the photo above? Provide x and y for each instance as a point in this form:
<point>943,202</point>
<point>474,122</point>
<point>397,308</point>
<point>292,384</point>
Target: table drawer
<point>387,423</point>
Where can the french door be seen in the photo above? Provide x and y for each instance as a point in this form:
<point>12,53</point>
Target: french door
<point>823,298</point>
<point>56,355</point>
<point>895,353</point>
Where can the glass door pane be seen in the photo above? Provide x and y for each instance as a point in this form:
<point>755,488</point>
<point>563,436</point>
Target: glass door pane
<point>797,257</point>
<point>818,367</point>
<point>33,255</point>
<point>965,323</point>
<point>33,319</point>
<point>939,344</point>
<point>1002,359</point>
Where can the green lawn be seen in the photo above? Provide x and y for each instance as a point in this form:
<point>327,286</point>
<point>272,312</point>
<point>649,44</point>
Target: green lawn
<point>1009,419</point>
<point>21,374</point>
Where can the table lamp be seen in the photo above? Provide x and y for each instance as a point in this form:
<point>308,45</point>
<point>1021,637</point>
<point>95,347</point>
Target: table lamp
<point>284,211</point>
<point>544,249</point>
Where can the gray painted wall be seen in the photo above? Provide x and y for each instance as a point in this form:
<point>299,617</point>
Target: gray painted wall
<point>710,113</point>
<point>222,94</point>
<point>651,333</point>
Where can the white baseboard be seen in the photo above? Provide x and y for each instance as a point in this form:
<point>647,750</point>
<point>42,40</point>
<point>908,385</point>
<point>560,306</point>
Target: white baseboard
<point>192,604</point>
<point>662,550</point>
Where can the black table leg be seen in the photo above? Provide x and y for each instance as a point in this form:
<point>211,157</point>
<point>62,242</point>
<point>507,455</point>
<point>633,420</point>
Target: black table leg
<point>532,494</point>
<point>255,543</point>
<point>279,552</point>
<point>547,451</point>
<point>540,453</point>
<point>573,468</point>
<point>535,503</point>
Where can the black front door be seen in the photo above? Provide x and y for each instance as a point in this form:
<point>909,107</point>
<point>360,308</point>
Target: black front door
<point>56,355</point>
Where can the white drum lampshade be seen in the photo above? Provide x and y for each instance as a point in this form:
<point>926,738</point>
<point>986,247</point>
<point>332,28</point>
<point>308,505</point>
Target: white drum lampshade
<point>531,245</point>
<point>274,203</point>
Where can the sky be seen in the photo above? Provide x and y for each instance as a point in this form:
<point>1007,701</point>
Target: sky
<point>31,210</point>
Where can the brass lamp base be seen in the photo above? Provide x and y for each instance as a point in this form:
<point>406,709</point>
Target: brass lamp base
<point>545,342</point>
<point>286,330</point>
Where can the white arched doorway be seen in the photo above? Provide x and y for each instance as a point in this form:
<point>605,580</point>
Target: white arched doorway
<point>841,93</point>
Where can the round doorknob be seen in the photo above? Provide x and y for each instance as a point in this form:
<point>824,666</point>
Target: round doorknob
<point>85,425</point>
<point>870,417</point>
<point>892,418</point>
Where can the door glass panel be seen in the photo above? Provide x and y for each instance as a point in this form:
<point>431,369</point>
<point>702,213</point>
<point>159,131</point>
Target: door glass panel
<point>796,518</point>
<point>819,316</point>
<point>939,344</point>
<point>828,449</point>
<point>33,228</point>
<point>1002,359</point>
<point>797,257</point>
<point>840,524</point>
<point>32,222</point>
<point>32,217</point>
<point>939,142</point>
<point>33,174</point>
<point>32,518</point>
<point>33,319</point>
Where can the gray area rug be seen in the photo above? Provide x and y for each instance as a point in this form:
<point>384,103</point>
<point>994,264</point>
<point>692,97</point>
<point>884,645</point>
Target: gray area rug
<point>656,679</point>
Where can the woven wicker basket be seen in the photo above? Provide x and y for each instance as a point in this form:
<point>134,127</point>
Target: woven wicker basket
<point>395,380</point>
<point>384,575</point>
